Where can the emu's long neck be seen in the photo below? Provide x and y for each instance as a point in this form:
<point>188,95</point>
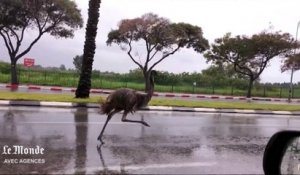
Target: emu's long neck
<point>143,99</point>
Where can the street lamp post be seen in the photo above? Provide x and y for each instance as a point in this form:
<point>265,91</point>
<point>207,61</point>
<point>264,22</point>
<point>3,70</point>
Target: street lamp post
<point>292,73</point>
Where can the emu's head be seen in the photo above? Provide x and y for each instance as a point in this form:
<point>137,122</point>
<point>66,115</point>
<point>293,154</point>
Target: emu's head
<point>153,74</point>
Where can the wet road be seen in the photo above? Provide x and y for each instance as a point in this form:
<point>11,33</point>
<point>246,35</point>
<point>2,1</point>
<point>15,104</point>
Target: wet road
<point>176,143</point>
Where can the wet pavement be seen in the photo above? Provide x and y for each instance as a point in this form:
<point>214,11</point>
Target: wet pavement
<point>176,142</point>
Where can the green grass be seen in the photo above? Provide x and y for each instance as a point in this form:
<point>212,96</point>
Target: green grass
<point>154,102</point>
<point>224,105</point>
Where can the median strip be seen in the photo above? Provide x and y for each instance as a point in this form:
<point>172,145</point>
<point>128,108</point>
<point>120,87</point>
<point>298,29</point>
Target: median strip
<point>68,100</point>
<point>166,95</point>
<point>149,108</point>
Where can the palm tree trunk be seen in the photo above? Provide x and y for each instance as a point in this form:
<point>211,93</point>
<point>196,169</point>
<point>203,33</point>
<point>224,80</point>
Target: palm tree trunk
<point>84,85</point>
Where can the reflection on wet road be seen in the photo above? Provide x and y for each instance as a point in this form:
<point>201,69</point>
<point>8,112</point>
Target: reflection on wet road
<point>176,143</point>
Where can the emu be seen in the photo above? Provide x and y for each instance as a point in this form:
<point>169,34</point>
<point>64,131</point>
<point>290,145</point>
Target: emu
<point>126,100</point>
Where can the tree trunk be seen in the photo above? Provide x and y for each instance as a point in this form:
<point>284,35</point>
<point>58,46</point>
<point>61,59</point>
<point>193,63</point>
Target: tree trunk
<point>251,80</point>
<point>84,85</point>
<point>14,78</point>
<point>147,81</point>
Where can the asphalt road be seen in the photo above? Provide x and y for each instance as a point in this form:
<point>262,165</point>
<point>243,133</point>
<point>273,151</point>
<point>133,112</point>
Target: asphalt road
<point>176,142</point>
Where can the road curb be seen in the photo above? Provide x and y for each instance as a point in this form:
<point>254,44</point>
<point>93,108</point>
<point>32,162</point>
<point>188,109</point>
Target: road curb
<point>148,108</point>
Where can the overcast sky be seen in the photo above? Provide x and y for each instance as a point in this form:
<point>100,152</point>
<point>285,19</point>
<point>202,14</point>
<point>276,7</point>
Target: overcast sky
<point>215,17</point>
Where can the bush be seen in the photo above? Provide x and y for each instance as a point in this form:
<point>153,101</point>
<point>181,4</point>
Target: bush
<point>4,68</point>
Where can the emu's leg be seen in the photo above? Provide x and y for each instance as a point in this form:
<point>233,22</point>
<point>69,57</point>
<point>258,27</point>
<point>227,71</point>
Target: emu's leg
<point>133,121</point>
<point>107,120</point>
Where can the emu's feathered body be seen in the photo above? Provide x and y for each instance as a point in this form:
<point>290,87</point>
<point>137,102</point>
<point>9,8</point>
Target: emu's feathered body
<point>126,100</point>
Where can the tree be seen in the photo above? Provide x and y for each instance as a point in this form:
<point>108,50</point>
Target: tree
<point>250,55</point>
<point>160,37</point>
<point>58,18</point>
<point>62,67</point>
<point>84,85</point>
<point>216,76</point>
<point>77,61</point>
<point>292,61</point>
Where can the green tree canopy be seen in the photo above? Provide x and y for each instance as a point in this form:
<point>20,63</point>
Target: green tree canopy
<point>58,18</point>
<point>77,61</point>
<point>249,56</point>
<point>292,61</point>
<point>62,67</point>
<point>160,37</point>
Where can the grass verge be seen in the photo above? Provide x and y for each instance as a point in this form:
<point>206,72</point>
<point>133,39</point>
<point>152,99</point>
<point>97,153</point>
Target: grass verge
<point>154,102</point>
<point>224,105</point>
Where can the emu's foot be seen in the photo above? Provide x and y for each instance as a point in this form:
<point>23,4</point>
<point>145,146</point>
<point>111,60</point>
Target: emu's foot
<point>99,146</point>
<point>101,141</point>
<point>146,124</point>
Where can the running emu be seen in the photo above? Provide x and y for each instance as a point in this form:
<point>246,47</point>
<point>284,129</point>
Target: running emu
<point>128,100</point>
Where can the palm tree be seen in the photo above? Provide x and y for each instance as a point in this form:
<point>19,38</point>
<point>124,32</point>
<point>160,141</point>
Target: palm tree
<point>84,85</point>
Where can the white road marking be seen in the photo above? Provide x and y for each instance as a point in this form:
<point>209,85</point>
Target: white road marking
<point>244,111</point>
<point>4,102</point>
<point>56,104</point>
<point>205,109</point>
<point>282,112</point>
<point>160,108</point>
